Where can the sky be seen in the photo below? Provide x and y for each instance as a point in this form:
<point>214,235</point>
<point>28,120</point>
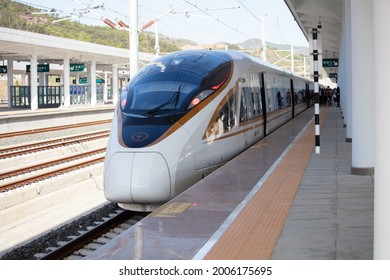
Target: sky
<point>201,21</point>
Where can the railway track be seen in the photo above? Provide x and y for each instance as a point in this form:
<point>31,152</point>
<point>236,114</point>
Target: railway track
<point>33,162</point>
<point>39,146</point>
<point>53,128</point>
<point>96,236</point>
<point>79,237</point>
<point>34,172</point>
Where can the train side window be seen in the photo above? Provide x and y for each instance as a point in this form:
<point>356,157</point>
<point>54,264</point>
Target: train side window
<point>227,115</point>
<point>243,108</point>
<point>249,102</point>
<point>300,92</point>
<point>279,93</point>
<point>225,119</point>
<point>274,99</point>
<point>250,105</point>
<point>256,99</point>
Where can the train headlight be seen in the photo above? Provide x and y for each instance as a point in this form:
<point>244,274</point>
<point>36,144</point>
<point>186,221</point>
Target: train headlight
<point>123,98</point>
<point>199,98</point>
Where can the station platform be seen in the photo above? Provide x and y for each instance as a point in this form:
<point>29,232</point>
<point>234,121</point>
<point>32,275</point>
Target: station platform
<point>276,200</point>
<point>13,120</point>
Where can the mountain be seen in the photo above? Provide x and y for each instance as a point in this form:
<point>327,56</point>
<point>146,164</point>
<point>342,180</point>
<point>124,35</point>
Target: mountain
<point>20,16</point>
<point>253,44</point>
<point>23,17</point>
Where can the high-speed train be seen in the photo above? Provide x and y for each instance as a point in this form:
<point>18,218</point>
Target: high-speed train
<point>186,114</point>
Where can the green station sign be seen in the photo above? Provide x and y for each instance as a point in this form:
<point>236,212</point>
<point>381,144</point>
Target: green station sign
<point>330,62</point>
<point>42,68</point>
<point>76,67</point>
<point>3,69</point>
<point>333,75</point>
<point>85,80</point>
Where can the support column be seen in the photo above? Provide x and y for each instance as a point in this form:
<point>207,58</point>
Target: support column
<point>92,81</point>
<point>105,88</point>
<point>114,85</point>
<point>343,69</point>
<point>133,37</point>
<point>314,43</point>
<point>33,82</point>
<point>346,91</point>
<point>381,22</point>
<point>362,87</point>
<point>23,77</point>
<point>10,79</point>
<point>66,81</point>
<point>42,79</point>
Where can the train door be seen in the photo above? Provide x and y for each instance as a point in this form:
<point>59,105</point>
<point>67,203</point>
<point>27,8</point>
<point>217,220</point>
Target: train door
<point>251,107</point>
<point>293,96</point>
<point>307,95</point>
<point>263,102</point>
<point>243,109</point>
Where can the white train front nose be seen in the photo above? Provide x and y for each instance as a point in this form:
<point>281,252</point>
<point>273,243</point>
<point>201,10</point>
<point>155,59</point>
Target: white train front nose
<point>137,178</point>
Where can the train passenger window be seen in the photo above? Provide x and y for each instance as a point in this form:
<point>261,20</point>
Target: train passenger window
<point>256,99</point>
<point>249,102</point>
<point>224,121</point>
<point>300,92</point>
<point>250,106</point>
<point>227,115</point>
<point>278,92</point>
<point>243,108</point>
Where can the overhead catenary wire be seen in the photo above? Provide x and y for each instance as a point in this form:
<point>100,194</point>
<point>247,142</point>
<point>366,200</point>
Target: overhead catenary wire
<point>268,26</point>
<point>207,9</point>
<point>183,22</point>
<point>120,23</point>
<point>49,11</point>
<point>105,20</point>
<point>166,27</point>
<point>79,14</point>
<point>225,24</point>
<point>150,23</point>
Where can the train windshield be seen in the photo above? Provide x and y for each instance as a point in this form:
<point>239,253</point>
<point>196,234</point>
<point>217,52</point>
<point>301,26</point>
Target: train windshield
<point>174,84</point>
<point>161,92</point>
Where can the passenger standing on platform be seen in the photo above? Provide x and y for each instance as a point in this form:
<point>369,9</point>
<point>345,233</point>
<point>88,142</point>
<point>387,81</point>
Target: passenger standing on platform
<point>338,96</point>
<point>323,100</point>
<point>329,96</point>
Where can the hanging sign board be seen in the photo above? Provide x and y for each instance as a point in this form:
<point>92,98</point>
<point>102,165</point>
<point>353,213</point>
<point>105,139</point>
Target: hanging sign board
<point>3,69</point>
<point>42,68</point>
<point>83,80</point>
<point>76,67</point>
<point>330,62</point>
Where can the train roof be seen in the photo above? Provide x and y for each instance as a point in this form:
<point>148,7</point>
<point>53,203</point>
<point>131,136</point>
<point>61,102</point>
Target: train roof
<point>235,55</point>
<point>269,66</point>
<point>210,59</point>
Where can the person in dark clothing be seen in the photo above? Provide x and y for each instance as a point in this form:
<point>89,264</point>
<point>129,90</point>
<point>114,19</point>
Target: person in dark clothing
<point>338,96</point>
<point>328,93</point>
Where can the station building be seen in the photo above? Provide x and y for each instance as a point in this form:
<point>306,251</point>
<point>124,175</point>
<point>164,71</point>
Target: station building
<point>41,71</point>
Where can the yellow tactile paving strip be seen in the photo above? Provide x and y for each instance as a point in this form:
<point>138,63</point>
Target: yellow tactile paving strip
<point>255,231</point>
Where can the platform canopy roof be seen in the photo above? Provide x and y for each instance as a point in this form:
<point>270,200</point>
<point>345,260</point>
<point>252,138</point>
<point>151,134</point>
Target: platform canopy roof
<point>326,13</point>
<point>20,45</point>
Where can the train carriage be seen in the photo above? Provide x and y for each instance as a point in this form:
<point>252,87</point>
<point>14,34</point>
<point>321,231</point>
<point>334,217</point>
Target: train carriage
<point>186,114</point>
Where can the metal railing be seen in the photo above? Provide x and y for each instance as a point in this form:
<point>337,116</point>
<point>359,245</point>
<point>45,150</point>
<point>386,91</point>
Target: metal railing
<point>53,96</point>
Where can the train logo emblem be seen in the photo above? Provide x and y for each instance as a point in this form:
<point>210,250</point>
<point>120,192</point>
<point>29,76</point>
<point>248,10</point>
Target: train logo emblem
<point>139,136</point>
